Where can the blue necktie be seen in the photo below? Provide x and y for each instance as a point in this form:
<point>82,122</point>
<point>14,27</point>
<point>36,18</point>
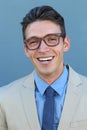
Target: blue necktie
<point>48,112</point>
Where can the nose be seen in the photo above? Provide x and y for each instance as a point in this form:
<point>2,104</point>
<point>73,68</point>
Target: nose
<point>43,47</point>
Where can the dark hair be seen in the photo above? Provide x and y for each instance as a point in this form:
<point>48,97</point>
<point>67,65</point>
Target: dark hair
<point>43,13</point>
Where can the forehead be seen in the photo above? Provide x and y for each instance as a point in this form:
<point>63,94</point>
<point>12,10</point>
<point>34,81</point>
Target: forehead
<point>41,28</point>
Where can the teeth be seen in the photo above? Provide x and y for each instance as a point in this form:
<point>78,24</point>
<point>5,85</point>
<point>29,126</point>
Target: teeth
<point>45,59</point>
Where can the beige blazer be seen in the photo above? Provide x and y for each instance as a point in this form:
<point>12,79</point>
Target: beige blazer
<point>18,107</point>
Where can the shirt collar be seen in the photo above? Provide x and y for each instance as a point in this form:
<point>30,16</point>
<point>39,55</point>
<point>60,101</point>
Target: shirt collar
<point>40,84</point>
<point>58,85</point>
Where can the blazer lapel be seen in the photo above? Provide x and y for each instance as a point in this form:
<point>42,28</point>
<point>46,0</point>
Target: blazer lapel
<point>29,104</point>
<point>72,98</point>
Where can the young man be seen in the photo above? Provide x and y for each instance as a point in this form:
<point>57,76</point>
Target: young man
<point>23,104</point>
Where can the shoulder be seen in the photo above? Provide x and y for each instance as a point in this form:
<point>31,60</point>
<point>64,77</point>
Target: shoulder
<point>15,86</point>
<point>77,79</point>
<point>73,73</point>
<point>84,83</point>
<point>83,78</point>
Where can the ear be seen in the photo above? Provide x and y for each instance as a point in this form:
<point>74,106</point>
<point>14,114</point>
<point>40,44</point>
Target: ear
<point>26,50</point>
<point>66,44</point>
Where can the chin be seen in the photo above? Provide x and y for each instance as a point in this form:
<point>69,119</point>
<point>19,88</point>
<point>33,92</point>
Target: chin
<point>46,73</point>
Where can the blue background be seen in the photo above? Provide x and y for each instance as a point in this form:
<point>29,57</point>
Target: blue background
<point>13,62</point>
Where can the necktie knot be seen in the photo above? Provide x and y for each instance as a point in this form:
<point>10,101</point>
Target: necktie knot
<point>49,92</point>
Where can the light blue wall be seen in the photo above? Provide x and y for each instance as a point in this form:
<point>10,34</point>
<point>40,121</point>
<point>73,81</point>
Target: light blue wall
<point>13,62</point>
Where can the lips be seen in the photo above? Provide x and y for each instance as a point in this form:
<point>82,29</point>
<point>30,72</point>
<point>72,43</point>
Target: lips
<point>45,59</point>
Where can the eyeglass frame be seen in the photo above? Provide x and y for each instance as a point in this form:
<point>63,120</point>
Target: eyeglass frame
<point>43,39</point>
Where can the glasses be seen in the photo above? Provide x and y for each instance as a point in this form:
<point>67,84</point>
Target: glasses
<point>50,40</point>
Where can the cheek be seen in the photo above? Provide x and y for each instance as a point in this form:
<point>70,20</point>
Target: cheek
<point>59,50</point>
<point>59,53</point>
<point>31,55</point>
<point>28,53</point>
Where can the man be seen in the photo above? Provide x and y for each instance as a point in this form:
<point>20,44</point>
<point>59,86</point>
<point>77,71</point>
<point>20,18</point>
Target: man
<point>23,104</point>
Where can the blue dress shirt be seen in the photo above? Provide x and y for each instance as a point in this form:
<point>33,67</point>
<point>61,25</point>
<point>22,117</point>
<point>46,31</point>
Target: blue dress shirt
<point>60,87</point>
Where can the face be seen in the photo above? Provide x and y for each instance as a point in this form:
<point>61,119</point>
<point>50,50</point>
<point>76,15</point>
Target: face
<point>48,61</point>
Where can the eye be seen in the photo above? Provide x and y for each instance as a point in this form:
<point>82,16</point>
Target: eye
<point>32,41</point>
<point>52,39</point>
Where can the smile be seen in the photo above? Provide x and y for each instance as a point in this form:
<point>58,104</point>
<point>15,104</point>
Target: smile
<point>45,59</point>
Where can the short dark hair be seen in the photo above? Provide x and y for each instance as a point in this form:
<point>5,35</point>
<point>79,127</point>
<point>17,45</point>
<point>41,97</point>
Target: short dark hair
<point>43,13</point>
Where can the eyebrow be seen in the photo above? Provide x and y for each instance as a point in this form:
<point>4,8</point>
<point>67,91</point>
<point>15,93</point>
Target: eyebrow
<point>44,35</point>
